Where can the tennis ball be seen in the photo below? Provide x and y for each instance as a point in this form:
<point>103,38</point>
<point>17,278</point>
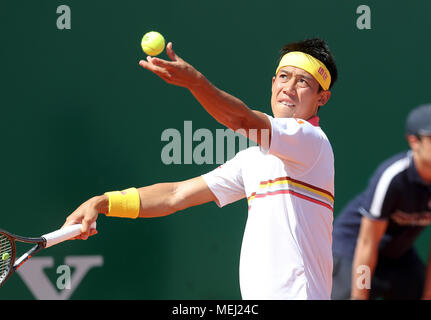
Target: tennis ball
<point>5,256</point>
<point>153,43</point>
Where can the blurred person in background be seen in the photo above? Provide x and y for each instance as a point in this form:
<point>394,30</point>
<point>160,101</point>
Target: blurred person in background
<point>374,235</point>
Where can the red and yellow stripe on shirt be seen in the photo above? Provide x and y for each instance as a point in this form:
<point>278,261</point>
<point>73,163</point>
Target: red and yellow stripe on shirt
<point>296,188</point>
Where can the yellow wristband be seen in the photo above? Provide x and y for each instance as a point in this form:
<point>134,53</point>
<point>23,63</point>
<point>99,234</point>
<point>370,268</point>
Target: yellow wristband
<point>124,204</point>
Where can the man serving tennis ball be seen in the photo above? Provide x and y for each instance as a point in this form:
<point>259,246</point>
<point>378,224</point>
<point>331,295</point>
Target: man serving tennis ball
<point>288,180</point>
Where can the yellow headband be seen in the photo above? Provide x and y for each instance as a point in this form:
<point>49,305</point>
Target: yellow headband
<point>308,63</point>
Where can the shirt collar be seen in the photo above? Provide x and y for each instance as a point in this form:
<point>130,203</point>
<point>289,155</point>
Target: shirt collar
<point>314,121</point>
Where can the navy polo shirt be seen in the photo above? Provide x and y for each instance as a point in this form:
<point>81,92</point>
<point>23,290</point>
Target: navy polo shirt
<point>395,193</point>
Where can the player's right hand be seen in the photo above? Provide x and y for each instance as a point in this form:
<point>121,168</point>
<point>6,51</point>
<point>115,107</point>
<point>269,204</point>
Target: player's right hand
<point>86,214</point>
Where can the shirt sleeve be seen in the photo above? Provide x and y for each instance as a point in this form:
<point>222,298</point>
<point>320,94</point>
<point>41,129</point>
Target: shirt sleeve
<point>380,198</point>
<point>295,141</point>
<point>226,182</point>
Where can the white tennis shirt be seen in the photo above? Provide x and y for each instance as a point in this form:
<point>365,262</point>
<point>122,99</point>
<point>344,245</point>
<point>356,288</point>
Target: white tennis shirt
<point>286,249</point>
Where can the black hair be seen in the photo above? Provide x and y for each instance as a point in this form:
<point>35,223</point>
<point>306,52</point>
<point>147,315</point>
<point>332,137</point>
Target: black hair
<point>317,48</point>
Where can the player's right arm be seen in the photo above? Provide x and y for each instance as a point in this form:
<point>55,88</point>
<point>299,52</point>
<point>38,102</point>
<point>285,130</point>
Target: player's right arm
<point>155,201</point>
<point>366,254</point>
<point>166,198</point>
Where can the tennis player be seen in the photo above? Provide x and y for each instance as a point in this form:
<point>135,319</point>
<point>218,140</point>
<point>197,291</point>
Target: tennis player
<point>288,179</point>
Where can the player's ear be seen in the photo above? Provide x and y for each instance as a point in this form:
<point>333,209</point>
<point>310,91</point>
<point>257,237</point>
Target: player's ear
<point>324,97</point>
<point>413,141</point>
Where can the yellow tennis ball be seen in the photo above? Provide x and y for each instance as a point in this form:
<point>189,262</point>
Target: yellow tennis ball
<point>153,43</point>
<point>5,256</point>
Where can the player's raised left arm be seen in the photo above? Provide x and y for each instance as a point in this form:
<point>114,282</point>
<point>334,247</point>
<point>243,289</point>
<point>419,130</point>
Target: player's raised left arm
<point>222,106</point>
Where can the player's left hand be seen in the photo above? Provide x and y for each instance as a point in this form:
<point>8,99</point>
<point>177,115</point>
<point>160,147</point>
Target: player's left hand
<point>176,72</point>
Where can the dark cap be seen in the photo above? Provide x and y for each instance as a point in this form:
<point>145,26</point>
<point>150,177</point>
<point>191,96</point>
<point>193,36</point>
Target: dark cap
<point>419,121</point>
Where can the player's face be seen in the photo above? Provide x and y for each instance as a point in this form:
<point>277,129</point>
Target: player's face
<point>295,94</point>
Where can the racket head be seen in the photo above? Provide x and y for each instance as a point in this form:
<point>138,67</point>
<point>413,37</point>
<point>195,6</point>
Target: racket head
<point>7,255</point>
<point>9,262</point>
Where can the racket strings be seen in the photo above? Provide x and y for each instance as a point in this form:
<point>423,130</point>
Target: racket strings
<point>5,256</point>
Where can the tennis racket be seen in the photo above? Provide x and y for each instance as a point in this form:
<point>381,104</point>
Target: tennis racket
<point>9,262</point>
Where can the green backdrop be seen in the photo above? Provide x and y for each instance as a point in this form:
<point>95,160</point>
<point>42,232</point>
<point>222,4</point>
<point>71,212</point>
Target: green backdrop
<point>79,117</point>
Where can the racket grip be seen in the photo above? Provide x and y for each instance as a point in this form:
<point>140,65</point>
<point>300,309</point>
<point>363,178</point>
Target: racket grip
<point>64,234</point>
